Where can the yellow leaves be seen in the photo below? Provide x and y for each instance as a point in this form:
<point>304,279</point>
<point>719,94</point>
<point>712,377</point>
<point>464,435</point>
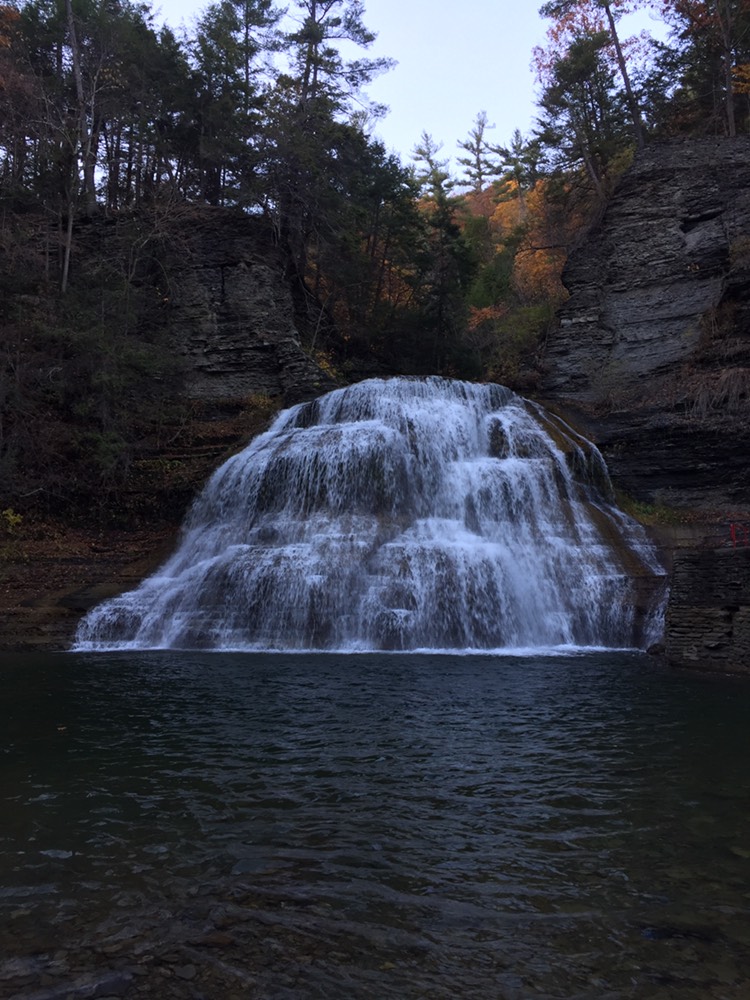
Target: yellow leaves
<point>537,274</point>
<point>10,520</point>
<point>539,261</point>
<point>509,213</point>
<point>741,78</point>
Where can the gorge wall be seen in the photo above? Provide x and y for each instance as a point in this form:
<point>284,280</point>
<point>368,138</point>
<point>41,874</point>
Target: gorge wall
<point>652,359</point>
<point>652,352</point>
<point>190,360</point>
<point>231,314</point>
<point>708,618</point>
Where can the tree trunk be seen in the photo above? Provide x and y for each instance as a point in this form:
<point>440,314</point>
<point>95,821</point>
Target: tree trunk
<point>68,249</point>
<point>725,24</point>
<point>632,102</point>
<point>89,182</point>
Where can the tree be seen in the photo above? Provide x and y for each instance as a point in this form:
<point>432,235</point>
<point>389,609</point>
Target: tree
<point>519,165</point>
<point>316,56</point>
<point>582,119</point>
<point>479,166</point>
<point>230,36</point>
<point>19,108</point>
<point>304,113</point>
<point>448,266</point>
<point>714,36</point>
<point>568,9</point>
<point>434,177</point>
<point>363,247</point>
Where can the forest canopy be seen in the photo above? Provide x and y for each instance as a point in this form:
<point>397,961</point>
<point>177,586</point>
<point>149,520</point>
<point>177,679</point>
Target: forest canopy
<point>102,109</point>
<point>104,113</point>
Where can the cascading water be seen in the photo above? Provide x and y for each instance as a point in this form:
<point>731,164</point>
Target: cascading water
<point>400,514</point>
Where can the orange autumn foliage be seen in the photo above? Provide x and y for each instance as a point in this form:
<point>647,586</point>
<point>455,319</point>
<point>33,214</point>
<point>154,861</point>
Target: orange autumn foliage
<point>550,231</point>
<point>485,317</point>
<point>741,78</point>
<point>508,214</point>
<point>537,274</point>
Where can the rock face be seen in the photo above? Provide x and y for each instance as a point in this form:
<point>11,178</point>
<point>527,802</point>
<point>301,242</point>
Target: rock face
<point>708,618</point>
<point>232,316</point>
<point>652,359</point>
<point>653,347</point>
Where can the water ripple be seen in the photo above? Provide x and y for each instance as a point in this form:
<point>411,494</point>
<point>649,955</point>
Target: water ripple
<point>375,826</point>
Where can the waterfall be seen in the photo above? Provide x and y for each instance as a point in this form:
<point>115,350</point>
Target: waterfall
<point>400,514</point>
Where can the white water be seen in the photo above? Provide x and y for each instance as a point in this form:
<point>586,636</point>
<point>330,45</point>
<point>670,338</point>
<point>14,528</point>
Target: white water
<point>399,514</point>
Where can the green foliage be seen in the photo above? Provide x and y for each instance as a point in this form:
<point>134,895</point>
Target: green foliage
<point>583,114</point>
<point>649,514</point>
<point>517,336</point>
<point>10,521</point>
<point>478,163</point>
<point>494,280</point>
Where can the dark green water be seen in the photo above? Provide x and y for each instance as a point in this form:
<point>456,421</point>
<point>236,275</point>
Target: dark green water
<point>372,826</point>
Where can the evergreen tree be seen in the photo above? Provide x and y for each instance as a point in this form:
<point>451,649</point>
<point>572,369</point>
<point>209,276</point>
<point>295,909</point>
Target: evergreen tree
<point>230,36</point>
<point>519,166</point>
<point>433,176</point>
<point>712,39</point>
<point>582,119</point>
<point>302,146</point>
<point>447,264</point>
<point>565,8</point>
<point>314,50</point>
<point>479,167</point>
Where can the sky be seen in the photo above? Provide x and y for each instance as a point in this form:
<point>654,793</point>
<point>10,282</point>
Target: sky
<point>453,61</point>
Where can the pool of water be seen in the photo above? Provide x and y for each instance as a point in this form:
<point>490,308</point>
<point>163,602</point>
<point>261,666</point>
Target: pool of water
<point>184,825</point>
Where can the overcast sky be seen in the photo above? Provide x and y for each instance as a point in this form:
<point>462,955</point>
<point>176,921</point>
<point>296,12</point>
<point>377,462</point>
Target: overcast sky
<point>454,60</point>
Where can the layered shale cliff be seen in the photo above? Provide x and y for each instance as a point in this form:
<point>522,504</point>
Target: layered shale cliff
<point>653,347</point>
<point>231,314</point>
<point>652,360</point>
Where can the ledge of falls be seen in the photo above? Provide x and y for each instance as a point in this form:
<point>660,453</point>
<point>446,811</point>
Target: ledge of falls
<point>400,514</point>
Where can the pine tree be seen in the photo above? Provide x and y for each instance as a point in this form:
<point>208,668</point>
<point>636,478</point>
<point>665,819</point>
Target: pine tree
<point>582,119</point>
<point>448,266</point>
<point>713,38</point>
<point>303,136</point>
<point>560,9</point>
<point>519,163</point>
<point>479,167</point>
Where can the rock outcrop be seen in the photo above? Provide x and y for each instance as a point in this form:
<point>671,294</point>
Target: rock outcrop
<point>652,360</point>
<point>708,618</point>
<point>211,289</point>
<point>652,352</point>
<point>232,316</point>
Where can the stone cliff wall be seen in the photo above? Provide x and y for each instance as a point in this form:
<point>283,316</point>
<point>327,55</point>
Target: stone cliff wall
<point>210,285</point>
<point>232,316</point>
<point>708,618</point>
<point>652,360</point>
<point>652,353</point>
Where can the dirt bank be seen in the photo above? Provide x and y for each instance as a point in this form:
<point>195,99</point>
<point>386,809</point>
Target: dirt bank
<point>51,573</point>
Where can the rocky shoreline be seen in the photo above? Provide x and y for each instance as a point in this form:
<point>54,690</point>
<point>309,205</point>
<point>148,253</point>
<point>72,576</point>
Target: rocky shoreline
<point>53,574</point>
<point>706,625</point>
